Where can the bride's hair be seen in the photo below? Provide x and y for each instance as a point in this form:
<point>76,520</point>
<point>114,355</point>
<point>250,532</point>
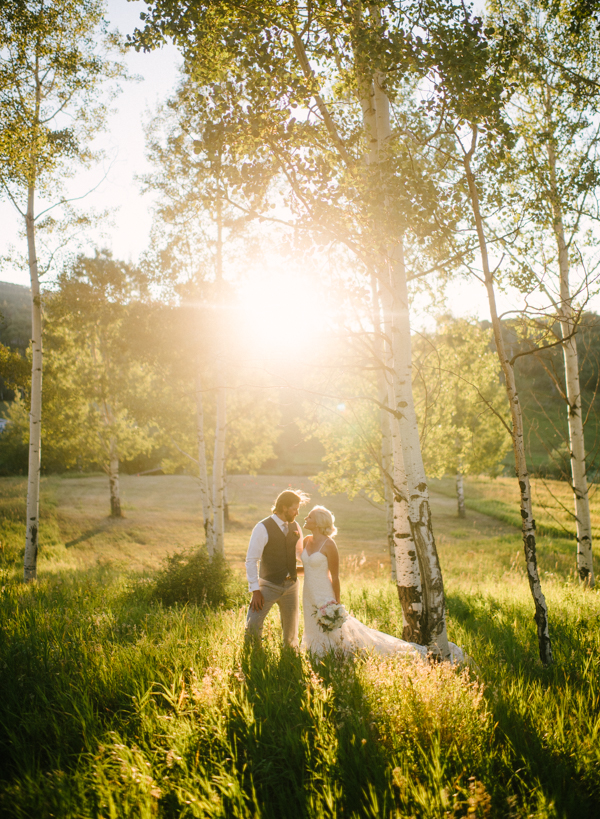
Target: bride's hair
<point>324,520</point>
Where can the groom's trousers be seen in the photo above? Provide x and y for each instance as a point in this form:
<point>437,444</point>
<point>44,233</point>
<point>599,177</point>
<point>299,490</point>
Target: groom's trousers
<point>286,597</point>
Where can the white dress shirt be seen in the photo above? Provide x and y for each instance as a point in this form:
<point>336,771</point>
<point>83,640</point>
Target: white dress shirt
<point>258,541</point>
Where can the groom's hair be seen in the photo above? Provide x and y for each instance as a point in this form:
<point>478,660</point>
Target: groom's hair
<point>288,498</point>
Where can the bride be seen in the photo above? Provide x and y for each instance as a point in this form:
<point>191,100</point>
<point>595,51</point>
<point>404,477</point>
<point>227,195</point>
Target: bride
<point>320,559</point>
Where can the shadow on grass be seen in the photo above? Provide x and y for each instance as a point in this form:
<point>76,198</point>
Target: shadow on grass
<point>512,676</point>
<point>363,762</point>
<point>105,525</point>
<point>305,752</point>
<point>270,727</point>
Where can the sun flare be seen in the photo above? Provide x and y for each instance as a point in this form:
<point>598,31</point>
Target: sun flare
<point>283,313</point>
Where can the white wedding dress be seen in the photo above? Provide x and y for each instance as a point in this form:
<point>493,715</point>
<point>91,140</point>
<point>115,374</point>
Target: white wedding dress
<point>353,636</point>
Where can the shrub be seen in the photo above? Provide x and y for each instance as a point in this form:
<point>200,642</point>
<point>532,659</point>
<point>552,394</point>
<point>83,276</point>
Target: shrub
<point>191,576</point>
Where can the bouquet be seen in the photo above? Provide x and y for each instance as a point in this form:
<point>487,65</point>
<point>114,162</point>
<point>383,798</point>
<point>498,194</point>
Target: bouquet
<point>330,616</point>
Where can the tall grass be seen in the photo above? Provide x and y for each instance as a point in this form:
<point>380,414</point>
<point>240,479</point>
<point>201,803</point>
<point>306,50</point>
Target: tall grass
<point>552,503</point>
<point>115,706</point>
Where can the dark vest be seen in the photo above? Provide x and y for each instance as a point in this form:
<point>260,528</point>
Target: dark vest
<point>279,556</point>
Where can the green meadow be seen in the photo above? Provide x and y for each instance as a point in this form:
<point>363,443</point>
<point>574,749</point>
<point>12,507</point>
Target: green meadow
<point>115,705</point>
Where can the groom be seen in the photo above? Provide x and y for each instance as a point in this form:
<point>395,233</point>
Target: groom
<point>275,542</point>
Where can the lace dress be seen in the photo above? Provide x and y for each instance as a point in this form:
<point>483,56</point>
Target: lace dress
<point>353,636</point>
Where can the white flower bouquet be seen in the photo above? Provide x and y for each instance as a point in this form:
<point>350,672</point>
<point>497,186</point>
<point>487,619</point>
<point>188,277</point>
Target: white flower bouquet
<point>330,615</point>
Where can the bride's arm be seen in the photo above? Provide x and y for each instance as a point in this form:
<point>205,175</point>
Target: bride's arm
<point>333,563</point>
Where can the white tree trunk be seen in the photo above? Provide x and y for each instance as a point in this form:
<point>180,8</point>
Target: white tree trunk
<point>529,543</point>
<point>387,464</point>
<point>418,572</point>
<point>406,558</point>
<point>207,510</point>
<point>568,327</point>
<point>460,495</point>
<point>370,126</point>
<point>113,479</point>
<point>433,618</point>
<point>35,412</point>
<point>218,488</point>
<point>219,468</point>
<point>385,419</point>
<point>405,562</point>
<point>408,574</point>
<point>585,565</point>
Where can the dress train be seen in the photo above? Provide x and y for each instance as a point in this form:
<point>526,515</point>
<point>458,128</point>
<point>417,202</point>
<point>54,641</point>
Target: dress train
<point>353,636</point>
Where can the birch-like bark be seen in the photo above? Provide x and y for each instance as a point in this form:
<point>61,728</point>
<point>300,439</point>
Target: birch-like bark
<point>568,327</point>
<point>433,619</point>
<point>406,558</point>
<point>35,412</point>
<point>218,494</point>
<point>405,563</point>
<point>529,542</point>
<point>219,467</point>
<point>207,511</point>
<point>427,593</point>
<point>113,479</point>
<point>460,495</point>
<point>112,467</point>
<point>385,418</point>
<point>387,464</point>
<point>408,574</point>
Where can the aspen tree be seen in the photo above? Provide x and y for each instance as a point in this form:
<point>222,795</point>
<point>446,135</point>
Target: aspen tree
<point>317,159</point>
<point>406,554</point>
<point>555,115</point>
<point>92,321</point>
<point>195,166</point>
<point>518,435</point>
<point>385,420</point>
<point>405,563</point>
<point>460,495</point>
<point>207,510</point>
<point>470,98</point>
<point>218,494</point>
<point>418,572</point>
<point>52,66</point>
<point>393,512</point>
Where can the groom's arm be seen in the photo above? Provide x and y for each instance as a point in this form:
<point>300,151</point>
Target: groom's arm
<point>258,541</point>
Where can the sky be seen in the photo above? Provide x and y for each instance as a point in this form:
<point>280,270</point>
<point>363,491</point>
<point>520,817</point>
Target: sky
<point>124,143</point>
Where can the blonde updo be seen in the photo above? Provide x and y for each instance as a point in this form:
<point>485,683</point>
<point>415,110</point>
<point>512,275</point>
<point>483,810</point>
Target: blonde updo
<point>324,520</point>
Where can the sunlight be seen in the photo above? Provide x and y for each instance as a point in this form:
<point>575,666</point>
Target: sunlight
<point>283,313</point>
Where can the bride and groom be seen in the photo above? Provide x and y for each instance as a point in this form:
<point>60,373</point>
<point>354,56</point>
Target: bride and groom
<point>276,543</point>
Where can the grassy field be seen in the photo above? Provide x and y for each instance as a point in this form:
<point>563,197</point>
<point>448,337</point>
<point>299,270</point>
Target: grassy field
<point>115,706</point>
<point>552,500</point>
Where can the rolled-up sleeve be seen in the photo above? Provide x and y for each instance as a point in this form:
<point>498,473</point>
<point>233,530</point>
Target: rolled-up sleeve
<point>258,541</point>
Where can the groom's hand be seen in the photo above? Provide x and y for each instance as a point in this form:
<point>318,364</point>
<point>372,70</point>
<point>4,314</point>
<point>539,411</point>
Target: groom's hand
<point>258,601</point>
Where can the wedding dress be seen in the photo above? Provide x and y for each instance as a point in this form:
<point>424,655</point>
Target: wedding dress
<point>353,636</point>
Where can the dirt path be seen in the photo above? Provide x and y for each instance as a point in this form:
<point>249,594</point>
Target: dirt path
<point>448,524</point>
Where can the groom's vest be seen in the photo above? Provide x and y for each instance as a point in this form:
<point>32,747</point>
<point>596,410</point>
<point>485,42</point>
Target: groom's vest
<point>278,559</point>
